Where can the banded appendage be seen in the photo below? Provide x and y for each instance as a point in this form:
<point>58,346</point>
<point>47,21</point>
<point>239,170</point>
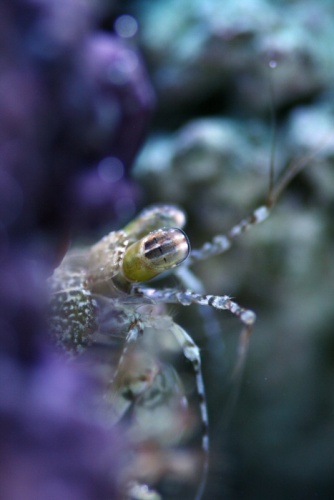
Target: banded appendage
<point>222,243</point>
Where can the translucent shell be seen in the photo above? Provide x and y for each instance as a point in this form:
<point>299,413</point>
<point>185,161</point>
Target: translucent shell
<point>72,308</point>
<point>157,252</point>
<point>73,319</point>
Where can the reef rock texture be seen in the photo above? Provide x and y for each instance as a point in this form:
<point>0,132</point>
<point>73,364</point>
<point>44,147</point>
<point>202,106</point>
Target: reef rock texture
<point>205,50</point>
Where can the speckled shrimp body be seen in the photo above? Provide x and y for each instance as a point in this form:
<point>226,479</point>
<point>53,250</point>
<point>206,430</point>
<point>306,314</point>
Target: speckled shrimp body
<point>96,303</point>
<point>100,302</point>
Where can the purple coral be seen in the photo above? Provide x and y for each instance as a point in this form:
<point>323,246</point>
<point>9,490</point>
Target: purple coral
<point>74,107</point>
<point>49,447</point>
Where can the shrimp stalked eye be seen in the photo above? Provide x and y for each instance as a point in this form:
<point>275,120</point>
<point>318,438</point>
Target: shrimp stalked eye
<point>157,252</point>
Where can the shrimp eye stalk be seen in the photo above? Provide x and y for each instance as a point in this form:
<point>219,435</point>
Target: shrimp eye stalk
<point>154,218</point>
<point>157,252</point>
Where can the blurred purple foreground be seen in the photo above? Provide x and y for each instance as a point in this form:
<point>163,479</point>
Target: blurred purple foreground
<point>74,107</point>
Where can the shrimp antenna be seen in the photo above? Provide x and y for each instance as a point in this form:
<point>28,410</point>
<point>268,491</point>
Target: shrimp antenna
<point>273,123</point>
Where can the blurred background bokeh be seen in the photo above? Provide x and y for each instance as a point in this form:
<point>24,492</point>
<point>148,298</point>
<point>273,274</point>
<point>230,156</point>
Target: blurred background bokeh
<point>218,68</point>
